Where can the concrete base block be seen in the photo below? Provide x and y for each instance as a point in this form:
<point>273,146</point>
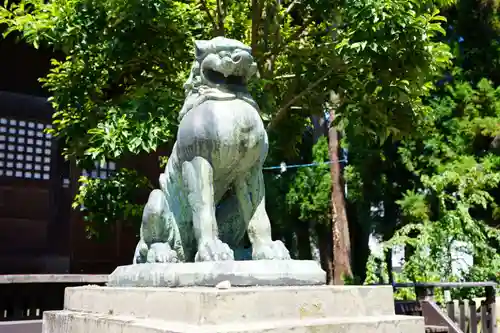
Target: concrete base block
<point>74,322</point>
<point>213,306</point>
<point>340,309</point>
<point>208,274</point>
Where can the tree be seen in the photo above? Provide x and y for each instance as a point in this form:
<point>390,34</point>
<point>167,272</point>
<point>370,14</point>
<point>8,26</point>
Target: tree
<point>309,192</point>
<point>116,90</point>
<point>458,169</point>
<point>473,30</point>
<point>340,226</point>
<point>451,191</point>
<point>387,74</point>
<point>119,88</point>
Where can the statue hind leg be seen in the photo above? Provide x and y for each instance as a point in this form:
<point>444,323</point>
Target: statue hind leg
<point>251,197</point>
<point>197,176</point>
<point>159,235</point>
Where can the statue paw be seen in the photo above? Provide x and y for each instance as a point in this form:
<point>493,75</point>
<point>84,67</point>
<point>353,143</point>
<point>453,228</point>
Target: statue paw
<point>141,253</point>
<point>271,251</point>
<point>213,250</point>
<point>161,252</point>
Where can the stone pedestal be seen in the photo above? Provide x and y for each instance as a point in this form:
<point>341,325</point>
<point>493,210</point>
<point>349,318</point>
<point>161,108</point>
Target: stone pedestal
<point>209,274</point>
<point>316,308</point>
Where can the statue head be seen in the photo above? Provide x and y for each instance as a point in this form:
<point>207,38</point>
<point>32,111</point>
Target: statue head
<point>221,63</point>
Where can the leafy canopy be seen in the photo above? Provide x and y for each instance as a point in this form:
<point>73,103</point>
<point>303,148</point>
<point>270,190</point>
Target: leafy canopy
<point>115,84</point>
<point>311,188</point>
<point>118,85</point>
<point>459,170</point>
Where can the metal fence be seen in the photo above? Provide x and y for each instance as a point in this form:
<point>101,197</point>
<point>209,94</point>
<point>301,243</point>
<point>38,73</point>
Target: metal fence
<point>456,316</point>
<point>24,298</point>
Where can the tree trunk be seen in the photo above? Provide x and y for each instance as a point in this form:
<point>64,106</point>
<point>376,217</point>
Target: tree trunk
<point>303,240</point>
<point>323,230</point>
<point>324,234</point>
<point>360,234</point>
<point>340,228</point>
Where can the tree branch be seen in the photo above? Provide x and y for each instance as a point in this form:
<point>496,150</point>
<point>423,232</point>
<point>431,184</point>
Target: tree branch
<point>270,12</point>
<point>256,17</point>
<point>204,6</point>
<point>302,28</point>
<point>277,38</point>
<point>220,18</point>
<point>289,9</point>
<point>284,109</point>
<point>280,45</point>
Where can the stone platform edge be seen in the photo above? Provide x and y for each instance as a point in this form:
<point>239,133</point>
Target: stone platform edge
<point>67,321</point>
<point>209,274</point>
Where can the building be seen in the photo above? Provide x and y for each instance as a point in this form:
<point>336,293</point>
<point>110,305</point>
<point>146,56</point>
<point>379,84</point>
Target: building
<point>39,232</point>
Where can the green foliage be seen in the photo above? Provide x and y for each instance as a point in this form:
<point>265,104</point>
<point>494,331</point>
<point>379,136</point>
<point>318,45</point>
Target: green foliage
<point>118,88</point>
<point>391,56</point>
<point>120,84</point>
<point>311,187</point>
<point>474,27</point>
<point>116,83</point>
<point>458,171</point>
<point>381,58</point>
<point>105,201</point>
<point>378,271</point>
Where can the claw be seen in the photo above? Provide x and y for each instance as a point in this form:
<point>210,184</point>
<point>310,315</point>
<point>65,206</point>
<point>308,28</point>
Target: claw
<point>214,250</point>
<point>271,251</point>
<point>162,253</point>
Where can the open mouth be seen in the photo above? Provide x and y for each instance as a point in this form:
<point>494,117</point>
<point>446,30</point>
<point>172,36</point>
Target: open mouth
<point>219,78</point>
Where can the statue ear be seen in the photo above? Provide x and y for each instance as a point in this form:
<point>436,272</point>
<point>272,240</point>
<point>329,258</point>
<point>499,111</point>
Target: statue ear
<point>201,48</point>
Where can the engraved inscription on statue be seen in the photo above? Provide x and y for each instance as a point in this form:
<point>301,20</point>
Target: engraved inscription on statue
<point>212,190</point>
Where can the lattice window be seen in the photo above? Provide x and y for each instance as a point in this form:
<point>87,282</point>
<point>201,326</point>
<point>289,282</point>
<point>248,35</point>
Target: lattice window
<point>65,182</point>
<point>25,149</point>
<point>102,170</point>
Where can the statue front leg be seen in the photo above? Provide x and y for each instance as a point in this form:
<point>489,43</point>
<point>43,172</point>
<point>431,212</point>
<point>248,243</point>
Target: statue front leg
<point>251,196</point>
<point>158,232</point>
<point>198,180</point>
<point>141,252</point>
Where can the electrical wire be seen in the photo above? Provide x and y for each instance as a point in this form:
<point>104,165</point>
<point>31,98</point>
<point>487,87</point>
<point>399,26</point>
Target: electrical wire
<point>284,167</point>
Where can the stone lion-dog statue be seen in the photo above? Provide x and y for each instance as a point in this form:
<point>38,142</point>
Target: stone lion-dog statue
<point>212,190</point>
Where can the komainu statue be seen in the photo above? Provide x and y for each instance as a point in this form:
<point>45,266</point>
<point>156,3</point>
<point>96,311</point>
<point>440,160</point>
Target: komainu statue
<point>212,190</point>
